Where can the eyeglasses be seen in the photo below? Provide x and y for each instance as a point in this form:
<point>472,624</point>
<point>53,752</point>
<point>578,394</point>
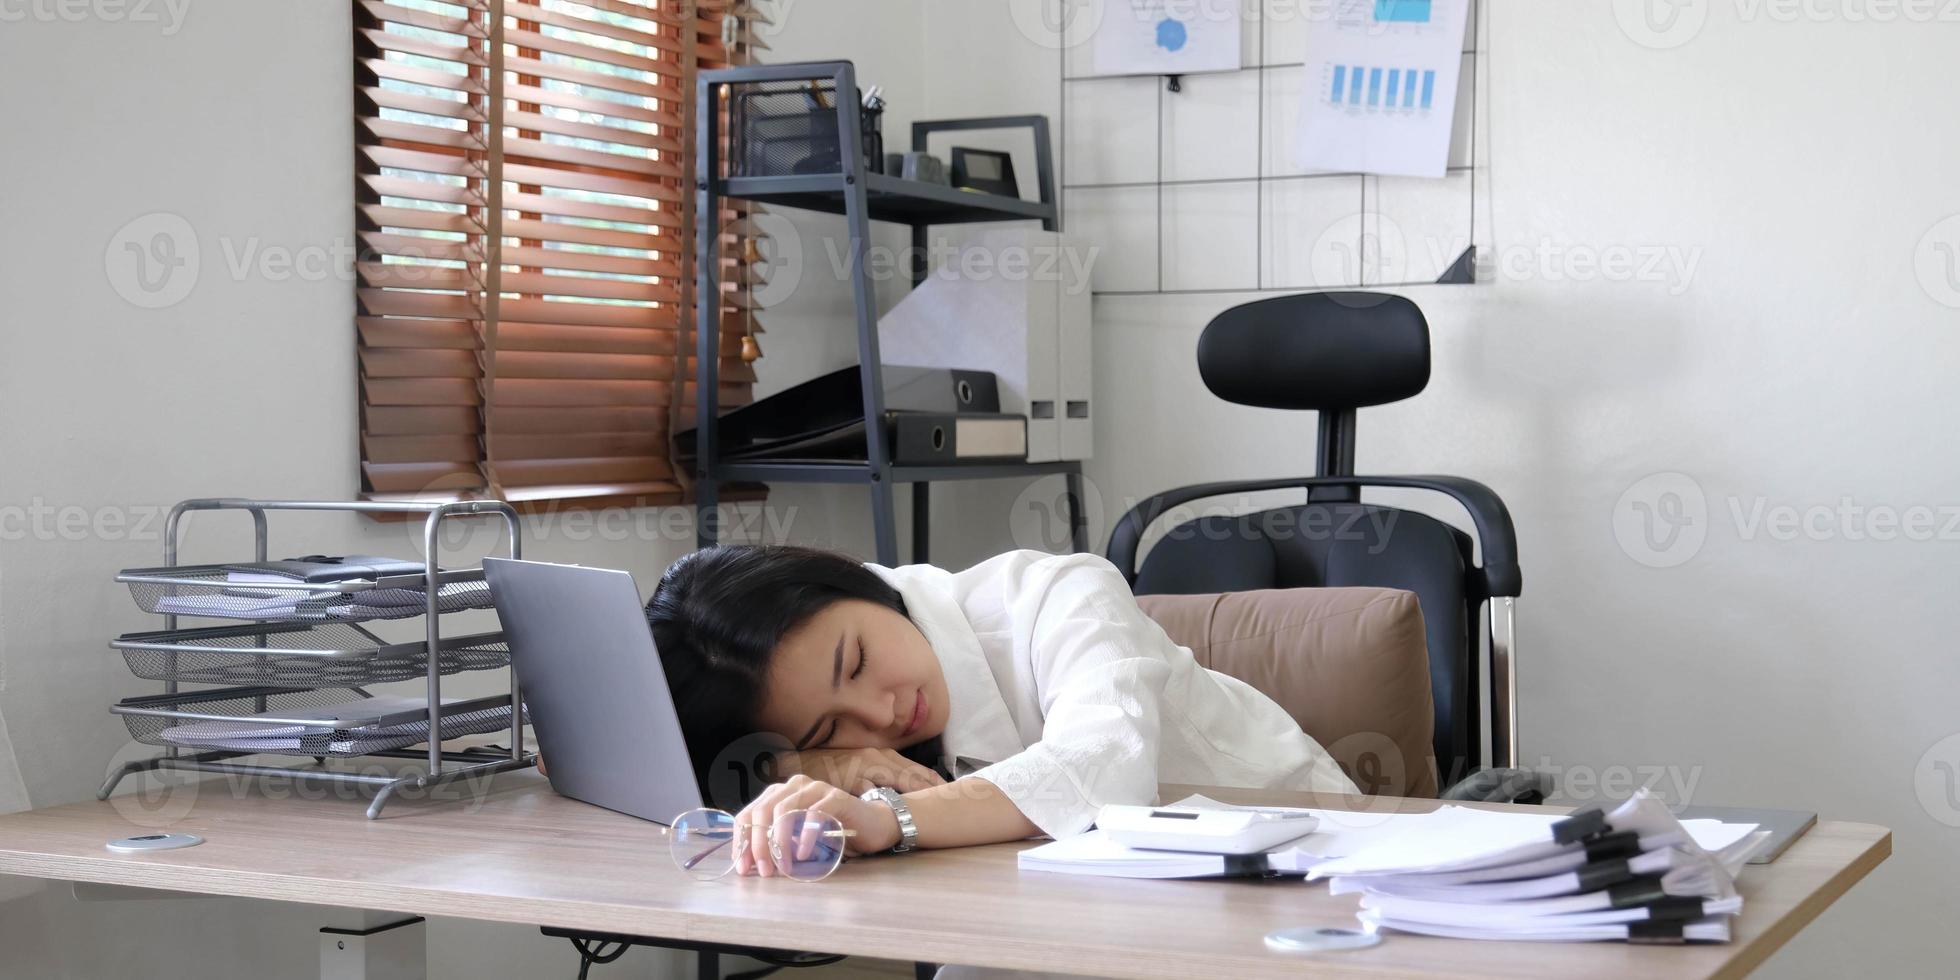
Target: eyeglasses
<point>806,846</point>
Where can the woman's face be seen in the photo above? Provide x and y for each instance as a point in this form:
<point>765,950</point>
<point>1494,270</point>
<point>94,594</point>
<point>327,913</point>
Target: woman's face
<point>855,676</point>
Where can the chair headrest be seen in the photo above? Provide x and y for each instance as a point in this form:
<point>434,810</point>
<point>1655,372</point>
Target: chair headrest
<point>1317,351</point>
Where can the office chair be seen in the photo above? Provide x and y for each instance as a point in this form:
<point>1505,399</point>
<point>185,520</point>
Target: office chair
<point>1333,353</point>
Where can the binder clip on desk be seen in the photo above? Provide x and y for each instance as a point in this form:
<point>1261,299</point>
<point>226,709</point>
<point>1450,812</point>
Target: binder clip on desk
<point>289,675</point>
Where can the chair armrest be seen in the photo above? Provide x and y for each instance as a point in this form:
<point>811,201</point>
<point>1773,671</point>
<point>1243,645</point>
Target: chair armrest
<point>1502,786</point>
<point>1495,533</point>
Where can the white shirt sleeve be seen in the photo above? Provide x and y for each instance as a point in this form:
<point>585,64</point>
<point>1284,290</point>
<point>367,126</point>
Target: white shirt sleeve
<point>1103,673</point>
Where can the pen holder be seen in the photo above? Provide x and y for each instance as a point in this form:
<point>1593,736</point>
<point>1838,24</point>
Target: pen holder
<point>781,129</point>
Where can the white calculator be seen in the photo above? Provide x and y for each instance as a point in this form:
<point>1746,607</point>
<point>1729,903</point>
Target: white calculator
<point>1249,830</point>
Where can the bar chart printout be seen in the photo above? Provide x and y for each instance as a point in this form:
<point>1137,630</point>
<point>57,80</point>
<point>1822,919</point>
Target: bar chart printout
<point>1382,78</point>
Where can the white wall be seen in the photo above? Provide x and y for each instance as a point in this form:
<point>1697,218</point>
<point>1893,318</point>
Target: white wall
<point>1802,364</point>
<point>235,116</point>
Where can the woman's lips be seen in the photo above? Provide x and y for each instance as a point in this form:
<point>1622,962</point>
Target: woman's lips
<point>918,716</point>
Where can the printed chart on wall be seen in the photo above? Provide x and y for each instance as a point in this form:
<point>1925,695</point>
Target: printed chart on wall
<point>1167,37</point>
<point>1381,86</point>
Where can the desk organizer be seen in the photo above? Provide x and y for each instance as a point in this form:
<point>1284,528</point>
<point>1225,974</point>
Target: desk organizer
<point>300,647</point>
<point>781,129</point>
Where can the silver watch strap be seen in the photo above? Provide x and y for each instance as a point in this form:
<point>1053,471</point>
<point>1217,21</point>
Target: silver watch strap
<point>908,832</point>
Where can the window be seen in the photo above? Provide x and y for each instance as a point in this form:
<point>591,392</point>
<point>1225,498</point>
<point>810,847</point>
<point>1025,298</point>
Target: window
<point>523,206</point>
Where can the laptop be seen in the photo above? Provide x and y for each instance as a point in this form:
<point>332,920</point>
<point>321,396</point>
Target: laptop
<point>593,687</point>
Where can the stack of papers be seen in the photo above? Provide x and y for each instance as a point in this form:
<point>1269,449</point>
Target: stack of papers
<point>1337,832</point>
<point>1637,873</point>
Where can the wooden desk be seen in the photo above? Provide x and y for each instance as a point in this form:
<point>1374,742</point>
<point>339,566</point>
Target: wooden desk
<point>526,855</point>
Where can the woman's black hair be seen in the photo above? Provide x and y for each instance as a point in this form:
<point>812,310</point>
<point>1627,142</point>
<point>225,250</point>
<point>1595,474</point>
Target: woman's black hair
<point>717,618</point>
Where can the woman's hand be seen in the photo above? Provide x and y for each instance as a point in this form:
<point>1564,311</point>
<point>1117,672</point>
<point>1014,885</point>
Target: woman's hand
<point>875,823</point>
<point>858,770</point>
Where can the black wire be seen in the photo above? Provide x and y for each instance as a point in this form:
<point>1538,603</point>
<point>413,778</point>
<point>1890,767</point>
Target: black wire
<point>597,953</point>
<point>800,959</point>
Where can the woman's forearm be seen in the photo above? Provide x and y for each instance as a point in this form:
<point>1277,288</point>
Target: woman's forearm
<point>967,811</point>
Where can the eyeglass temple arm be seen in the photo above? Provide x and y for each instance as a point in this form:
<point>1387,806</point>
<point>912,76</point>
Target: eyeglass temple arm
<point>688,865</point>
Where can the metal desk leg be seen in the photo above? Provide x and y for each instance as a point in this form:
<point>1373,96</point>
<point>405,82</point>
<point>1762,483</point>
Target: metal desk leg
<point>707,965</point>
<point>375,946</point>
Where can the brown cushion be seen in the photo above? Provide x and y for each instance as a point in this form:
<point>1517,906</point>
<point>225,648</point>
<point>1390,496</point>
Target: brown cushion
<point>1350,665</point>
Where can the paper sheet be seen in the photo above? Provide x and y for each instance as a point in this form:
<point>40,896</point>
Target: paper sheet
<point>1167,37</point>
<point>1381,81</point>
<point>1341,832</point>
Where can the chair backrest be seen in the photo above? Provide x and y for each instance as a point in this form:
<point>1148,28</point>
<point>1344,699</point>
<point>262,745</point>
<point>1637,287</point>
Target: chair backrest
<point>1362,545</point>
<point>1333,353</point>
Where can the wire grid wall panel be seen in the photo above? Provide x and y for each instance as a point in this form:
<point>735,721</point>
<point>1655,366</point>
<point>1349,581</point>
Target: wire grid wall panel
<point>1196,191</point>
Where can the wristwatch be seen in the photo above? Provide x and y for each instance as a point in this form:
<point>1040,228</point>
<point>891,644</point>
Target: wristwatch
<point>908,832</point>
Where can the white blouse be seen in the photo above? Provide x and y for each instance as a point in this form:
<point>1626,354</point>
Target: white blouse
<point>1078,699</point>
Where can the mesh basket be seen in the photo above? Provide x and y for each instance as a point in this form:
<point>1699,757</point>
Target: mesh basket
<point>174,721</point>
<point>782,129</point>
<point>205,590</point>
<point>145,727</point>
<point>324,655</point>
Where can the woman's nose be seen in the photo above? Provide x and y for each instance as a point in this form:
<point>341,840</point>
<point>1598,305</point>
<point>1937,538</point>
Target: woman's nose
<point>877,711</point>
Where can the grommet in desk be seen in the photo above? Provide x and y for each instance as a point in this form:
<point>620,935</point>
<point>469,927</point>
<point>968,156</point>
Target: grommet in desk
<point>153,842</point>
<point>1320,939</point>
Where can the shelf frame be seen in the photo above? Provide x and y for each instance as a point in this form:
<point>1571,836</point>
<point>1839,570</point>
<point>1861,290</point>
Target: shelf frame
<point>861,197</point>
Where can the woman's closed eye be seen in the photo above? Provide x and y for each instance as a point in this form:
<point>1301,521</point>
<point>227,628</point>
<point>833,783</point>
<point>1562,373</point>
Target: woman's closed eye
<point>855,671</point>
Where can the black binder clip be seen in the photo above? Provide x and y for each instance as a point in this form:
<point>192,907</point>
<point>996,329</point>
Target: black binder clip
<point>1601,875</point>
<point>1618,844</point>
<point>1579,825</point>
<point>1637,892</point>
<point>1666,933</point>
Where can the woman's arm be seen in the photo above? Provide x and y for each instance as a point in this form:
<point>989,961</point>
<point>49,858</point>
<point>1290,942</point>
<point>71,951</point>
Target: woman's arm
<point>967,811</point>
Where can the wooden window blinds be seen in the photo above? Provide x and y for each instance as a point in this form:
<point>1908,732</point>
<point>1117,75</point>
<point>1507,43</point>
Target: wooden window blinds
<point>523,205</point>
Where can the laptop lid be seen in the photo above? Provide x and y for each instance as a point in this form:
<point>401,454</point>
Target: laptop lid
<point>593,687</point>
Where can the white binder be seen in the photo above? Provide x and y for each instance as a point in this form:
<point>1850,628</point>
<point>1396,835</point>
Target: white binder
<point>1014,302</point>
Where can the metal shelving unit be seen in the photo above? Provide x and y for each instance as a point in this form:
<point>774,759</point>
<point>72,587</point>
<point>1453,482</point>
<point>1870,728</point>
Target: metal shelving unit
<point>861,196</point>
<point>311,652</point>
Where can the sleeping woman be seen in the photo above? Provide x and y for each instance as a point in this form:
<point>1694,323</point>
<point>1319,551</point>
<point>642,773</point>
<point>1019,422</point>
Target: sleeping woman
<point>1033,679</point>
